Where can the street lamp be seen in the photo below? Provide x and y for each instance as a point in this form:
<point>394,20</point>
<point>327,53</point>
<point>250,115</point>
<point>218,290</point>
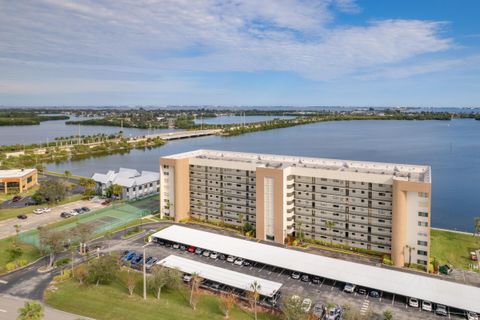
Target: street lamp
<point>144,273</point>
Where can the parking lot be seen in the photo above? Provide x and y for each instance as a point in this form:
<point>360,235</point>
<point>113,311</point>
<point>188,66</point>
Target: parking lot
<point>326,291</point>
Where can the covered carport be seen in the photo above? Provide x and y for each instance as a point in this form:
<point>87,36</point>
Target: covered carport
<point>402,283</point>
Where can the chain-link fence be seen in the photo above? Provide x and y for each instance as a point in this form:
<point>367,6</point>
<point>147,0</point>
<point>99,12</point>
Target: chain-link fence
<point>102,220</point>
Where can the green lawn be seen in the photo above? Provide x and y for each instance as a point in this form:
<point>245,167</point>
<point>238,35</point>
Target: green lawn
<point>112,301</point>
<point>12,213</point>
<point>29,192</point>
<point>30,253</point>
<point>453,248</point>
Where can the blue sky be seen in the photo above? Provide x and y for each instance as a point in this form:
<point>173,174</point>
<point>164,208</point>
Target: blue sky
<point>240,52</point>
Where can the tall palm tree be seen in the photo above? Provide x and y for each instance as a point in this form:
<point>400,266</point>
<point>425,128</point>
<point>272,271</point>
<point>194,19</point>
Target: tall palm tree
<point>241,217</point>
<point>195,282</point>
<point>255,287</point>
<point>410,248</point>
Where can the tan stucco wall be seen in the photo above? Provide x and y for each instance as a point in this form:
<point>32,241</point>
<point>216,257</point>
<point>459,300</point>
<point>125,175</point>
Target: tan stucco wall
<point>278,194</point>
<point>181,205</point>
<point>400,216</point>
<point>22,181</point>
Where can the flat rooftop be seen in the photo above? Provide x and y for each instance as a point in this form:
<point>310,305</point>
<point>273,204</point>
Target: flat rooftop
<point>428,288</point>
<point>15,173</point>
<point>416,173</point>
<point>224,276</point>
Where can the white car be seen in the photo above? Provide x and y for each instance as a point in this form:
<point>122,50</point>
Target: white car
<point>187,277</point>
<point>427,306</point>
<point>472,316</point>
<point>47,209</point>
<point>230,259</point>
<point>239,262</point>
<point>412,302</point>
<point>73,213</point>
<point>214,255</point>
<point>306,305</point>
<point>38,211</point>
<point>176,246</point>
<point>350,288</point>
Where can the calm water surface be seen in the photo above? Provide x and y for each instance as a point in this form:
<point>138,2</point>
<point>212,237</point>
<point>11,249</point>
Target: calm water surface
<point>452,149</point>
<point>57,128</point>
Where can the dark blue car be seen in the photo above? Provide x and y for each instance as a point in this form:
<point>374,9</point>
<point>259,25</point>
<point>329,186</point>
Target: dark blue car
<point>129,256</point>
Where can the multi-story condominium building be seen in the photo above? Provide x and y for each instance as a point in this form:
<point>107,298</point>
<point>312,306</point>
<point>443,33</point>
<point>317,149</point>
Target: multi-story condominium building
<point>135,184</point>
<point>383,207</point>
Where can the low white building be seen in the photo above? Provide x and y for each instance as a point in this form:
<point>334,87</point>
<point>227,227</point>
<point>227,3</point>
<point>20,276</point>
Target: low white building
<point>135,184</point>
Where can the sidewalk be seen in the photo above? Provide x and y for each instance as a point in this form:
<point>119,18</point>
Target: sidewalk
<point>9,306</point>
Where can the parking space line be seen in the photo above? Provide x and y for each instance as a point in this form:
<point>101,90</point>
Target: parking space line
<point>321,284</point>
<point>261,268</point>
<point>393,299</point>
<point>280,273</point>
<point>333,285</point>
<point>381,295</point>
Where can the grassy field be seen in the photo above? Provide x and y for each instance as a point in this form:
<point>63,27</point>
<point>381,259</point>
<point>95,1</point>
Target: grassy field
<point>453,248</point>
<point>12,213</point>
<point>30,253</point>
<point>98,302</point>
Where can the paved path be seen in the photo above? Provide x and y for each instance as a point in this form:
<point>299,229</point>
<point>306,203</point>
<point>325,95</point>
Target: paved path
<point>9,306</point>
<point>33,221</point>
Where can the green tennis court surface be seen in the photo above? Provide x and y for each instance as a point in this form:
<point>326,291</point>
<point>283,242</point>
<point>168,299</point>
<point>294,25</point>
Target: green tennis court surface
<point>102,220</point>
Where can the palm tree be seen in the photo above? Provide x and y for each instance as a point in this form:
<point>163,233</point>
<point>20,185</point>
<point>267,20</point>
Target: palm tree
<point>67,174</point>
<point>17,232</point>
<point>330,224</point>
<point>195,281</point>
<point>255,287</point>
<point>32,310</point>
<point>410,248</point>
<point>241,217</point>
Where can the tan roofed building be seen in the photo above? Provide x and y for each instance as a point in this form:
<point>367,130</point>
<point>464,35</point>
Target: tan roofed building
<point>383,207</point>
<point>17,180</point>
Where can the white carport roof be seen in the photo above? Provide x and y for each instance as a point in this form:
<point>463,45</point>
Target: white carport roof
<point>398,282</point>
<point>231,278</point>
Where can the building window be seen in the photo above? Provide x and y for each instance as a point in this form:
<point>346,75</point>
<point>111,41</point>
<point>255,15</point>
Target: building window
<point>422,252</point>
<point>423,214</point>
<point>423,194</point>
<point>422,243</point>
<point>422,224</point>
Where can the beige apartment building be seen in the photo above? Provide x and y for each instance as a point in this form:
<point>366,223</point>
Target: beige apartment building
<point>383,207</point>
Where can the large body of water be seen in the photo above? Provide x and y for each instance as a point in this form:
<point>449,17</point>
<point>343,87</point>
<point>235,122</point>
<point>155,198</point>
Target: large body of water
<point>451,148</point>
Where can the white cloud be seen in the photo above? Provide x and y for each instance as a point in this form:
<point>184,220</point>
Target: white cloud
<point>210,35</point>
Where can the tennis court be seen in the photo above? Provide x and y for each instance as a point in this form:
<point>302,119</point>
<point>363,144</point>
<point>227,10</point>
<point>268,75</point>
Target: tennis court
<point>102,220</point>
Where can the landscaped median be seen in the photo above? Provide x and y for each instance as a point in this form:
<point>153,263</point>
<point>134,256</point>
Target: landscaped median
<point>26,255</point>
<point>112,301</point>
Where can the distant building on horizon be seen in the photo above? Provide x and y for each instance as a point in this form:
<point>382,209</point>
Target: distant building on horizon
<point>382,207</point>
<point>135,184</point>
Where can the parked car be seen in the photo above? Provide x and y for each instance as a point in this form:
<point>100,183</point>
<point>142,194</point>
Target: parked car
<point>349,287</point>
<point>187,277</point>
<point>215,286</point>
<point>374,294</point>
<point>86,209</point>
<point>306,305</point>
<point>214,255</point>
<point>426,306</point>
<point>239,261</point>
<point>316,280</point>
<point>295,275</point>
<point>22,216</point>
<point>333,313</point>
<point>183,247</point>
<point>38,211</point>
<point>362,291</point>
<point>231,259</point>
<point>65,215</point>
<point>445,269</point>
<point>221,256</point>
<point>247,263</point>
<point>16,198</point>
<point>198,251</point>
<point>472,316</point>
<point>151,263</point>
<point>176,246</point>
<point>305,278</point>
<point>206,253</point>
<point>46,209</point>
<point>413,302</point>
<point>106,202</point>
<point>138,259</point>
<point>318,310</point>
<point>473,256</point>
<point>441,310</point>
<point>129,256</point>
<point>191,249</point>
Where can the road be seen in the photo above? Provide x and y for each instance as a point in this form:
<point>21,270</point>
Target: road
<point>33,221</point>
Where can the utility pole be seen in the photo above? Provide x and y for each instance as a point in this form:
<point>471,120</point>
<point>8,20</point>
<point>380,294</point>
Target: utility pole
<point>144,272</point>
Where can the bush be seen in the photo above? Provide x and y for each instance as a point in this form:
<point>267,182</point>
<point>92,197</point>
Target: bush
<point>65,275</point>
<point>62,262</point>
<point>387,260</point>
<point>22,262</point>
<point>10,266</point>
